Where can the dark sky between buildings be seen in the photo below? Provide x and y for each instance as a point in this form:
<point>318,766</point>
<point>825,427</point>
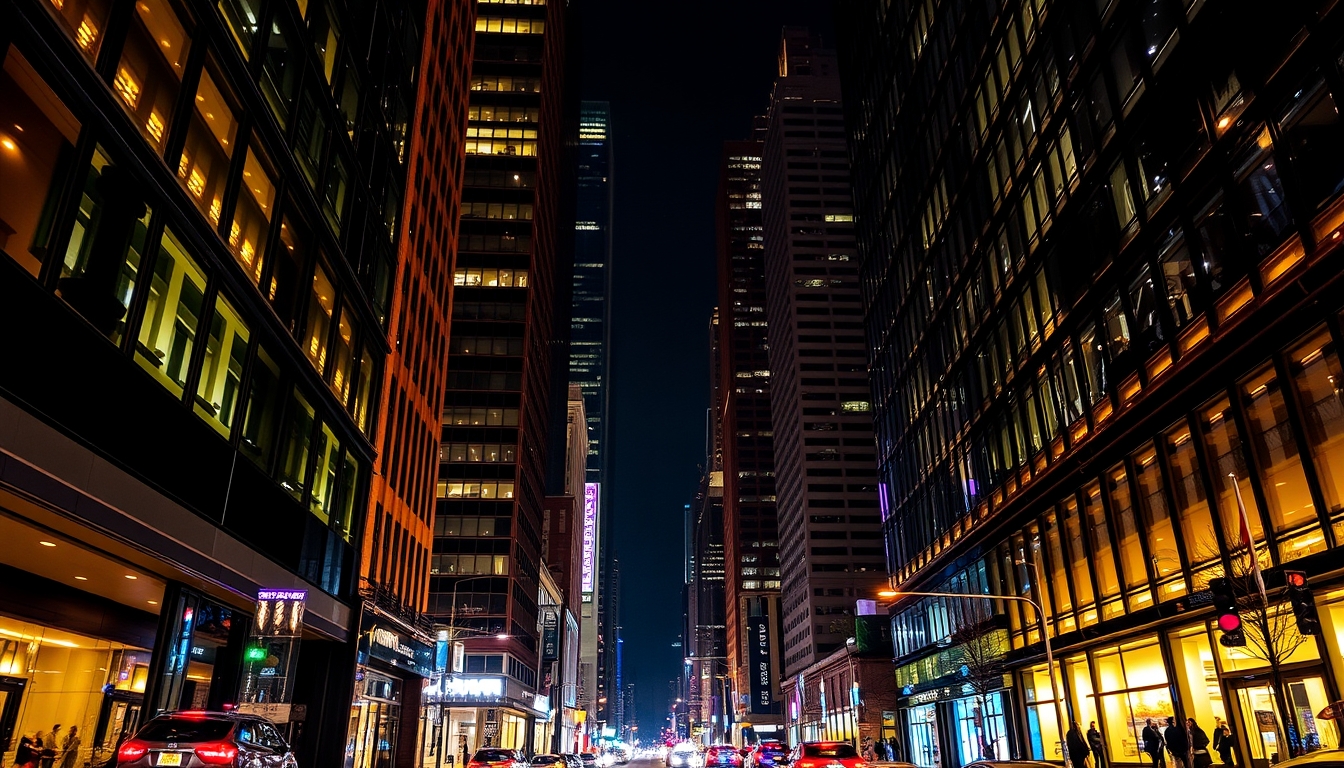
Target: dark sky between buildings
<point>682,77</point>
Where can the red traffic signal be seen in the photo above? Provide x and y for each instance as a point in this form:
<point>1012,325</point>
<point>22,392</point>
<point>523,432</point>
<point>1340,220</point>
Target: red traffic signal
<point>1229,622</point>
<point>1295,579</point>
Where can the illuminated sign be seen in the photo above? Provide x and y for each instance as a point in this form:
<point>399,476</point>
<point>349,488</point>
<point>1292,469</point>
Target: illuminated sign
<point>282,594</point>
<point>473,687</point>
<point>255,654</point>
<point>590,500</point>
<point>279,612</point>
<point>762,673</point>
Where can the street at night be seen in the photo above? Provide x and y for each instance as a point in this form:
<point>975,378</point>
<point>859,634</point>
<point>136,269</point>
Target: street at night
<point>735,384</point>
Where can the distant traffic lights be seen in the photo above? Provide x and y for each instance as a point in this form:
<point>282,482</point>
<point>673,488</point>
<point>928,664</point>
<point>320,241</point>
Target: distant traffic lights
<point>1229,618</point>
<point>1304,605</point>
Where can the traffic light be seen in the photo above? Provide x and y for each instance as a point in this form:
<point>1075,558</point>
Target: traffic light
<point>1304,605</point>
<point>1229,618</point>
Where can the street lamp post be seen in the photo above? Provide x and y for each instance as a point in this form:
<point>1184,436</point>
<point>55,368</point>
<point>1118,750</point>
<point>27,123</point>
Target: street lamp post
<point>1045,637</point>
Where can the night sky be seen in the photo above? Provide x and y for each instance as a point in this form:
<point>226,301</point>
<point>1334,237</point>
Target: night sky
<point>682,77</point>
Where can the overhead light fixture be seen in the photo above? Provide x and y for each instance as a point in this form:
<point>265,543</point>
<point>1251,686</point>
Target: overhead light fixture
<point>132,576</point>
<point>81,578</point>
<point>47,543</point>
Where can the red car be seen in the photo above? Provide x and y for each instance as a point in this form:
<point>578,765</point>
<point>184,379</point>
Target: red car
<point>826,754</point>
<point>493,757</point>
<point>725,755</point>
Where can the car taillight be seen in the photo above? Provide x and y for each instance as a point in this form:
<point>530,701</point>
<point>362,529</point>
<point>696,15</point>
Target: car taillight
<point>131,751</point>
<point>217,753</point>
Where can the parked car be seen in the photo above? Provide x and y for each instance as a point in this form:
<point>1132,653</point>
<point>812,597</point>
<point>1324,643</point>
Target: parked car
<point>197,739</point>
<point>826,754</point>
<point>550,761</point>
<point>723,756</point>
<point>494,757</point>
<point>685,755</point>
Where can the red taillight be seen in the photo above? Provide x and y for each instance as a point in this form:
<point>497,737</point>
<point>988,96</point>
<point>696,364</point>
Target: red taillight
<point>131,751</point>
<point>217,753</point>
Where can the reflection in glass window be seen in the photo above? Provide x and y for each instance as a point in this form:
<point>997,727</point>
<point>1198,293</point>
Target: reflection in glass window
<point>280,71</point>
<point>327,454</point>
<point>241,18</point>
<point>1164,553</point>
<point>1099,533</point>
<point>1317,377</point>
<point>317,329</point>
<point>295,444</point>
<point>1094,363</point>
<point>1125,211</point>
<point>1271,437</point>
<point>204,166</point>
<point>287,275</point>
<point>1314,131</point>
<point>1078,563</point>
<point>1261,191</point>
<point>1143,298</point>
<point>149,74</point>
<point>222,369</point>
<point>1178,278</point>
<point>1133,565</point>
<point>84,21</point>
<point>78,251</point>
<point>310,136</point>
<point>1218,239</point>
<point>1117,327</point>
<point>324,26</point>
<point>28,157</point>
<point>336,189</point>
<point>343,360</point>
<point>363,391</point>
<point>263,410</point>
<point>172,314</point>
<point>1226,459</point>
<point>252,218</point>
<point>1192,504</point>
<point>345,516</point>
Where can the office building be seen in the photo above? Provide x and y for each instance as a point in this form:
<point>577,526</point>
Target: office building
<point>512,249</point>
<point>1101,281</point>
<point>200,216</point>
<point>830,539</point>
<point>751,542</point>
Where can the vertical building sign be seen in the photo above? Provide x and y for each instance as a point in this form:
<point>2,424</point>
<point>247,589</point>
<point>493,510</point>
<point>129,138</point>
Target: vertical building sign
<point>590,499</point>
<point>762,674</point>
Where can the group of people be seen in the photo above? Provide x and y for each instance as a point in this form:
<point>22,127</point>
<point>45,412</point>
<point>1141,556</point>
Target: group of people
<point>1188,746</point>
<point>878,749</point>
<point>43,749</point>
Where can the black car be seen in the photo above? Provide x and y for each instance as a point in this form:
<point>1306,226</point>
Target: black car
<point>200,739</point>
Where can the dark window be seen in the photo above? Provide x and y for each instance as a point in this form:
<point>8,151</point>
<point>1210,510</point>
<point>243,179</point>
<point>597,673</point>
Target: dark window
<point>1314,134</point>
<point>1261,191</point>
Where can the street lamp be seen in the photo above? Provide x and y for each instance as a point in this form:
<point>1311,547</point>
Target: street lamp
<point>1045,636</point>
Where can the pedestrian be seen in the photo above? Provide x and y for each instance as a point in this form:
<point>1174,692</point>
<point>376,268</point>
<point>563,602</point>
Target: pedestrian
<point>896,753</point>
<point>1152,744</point>
<point>1223,743</point>
<point>1094,741</point>
<point>1178,744</point>
<point>1077,744</point>
<point>1199,744</point>
<point>70,749</point>
<point>27,753</point>
<point>869,753</point>
<point>886,751</point>
<point>49,742</point>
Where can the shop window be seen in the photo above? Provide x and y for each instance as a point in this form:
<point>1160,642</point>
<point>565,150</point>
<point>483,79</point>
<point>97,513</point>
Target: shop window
<point>287,272</point>
<point>1279,461</point>
<point>88,218</point>
<point>222,369</point>
<point>84,21</point>
<point>203,168</point>
<point>1317,377</point>
<point>1164,554</point>
<point>241,17</point>
<point>1261,192</point>
<point>1042,715</point>
<point>250,230</point>
<point>1226,457</point>
<point>364,391</point>
<point>1314,133</point>
<point>280,70</point>
<point>1282,642</point>
<point>1133,565</point>
<point>149,75</point>
<point>324,26</point>
<point>262,416</point>
<point>327,454</point>
<point>1134,687</point>
<point>36,132</point>
<point>172,314</point>
<point>317,327</point>
<point>343,359</point>
<point>1200,694</point>
<point>1078,563</point>
<point>1192,505</point>
<point>296,444</point>
<point>1080,687</point>
<point>1178,279</point>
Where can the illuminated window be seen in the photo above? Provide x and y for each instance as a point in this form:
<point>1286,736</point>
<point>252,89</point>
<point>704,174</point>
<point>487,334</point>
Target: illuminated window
<point>510,26</point>
<point>172,314</point>
<point>343,360</point>
<point>327,454</point>
<point>222,369</point>
<point>491,278</point>
<point>856,406</point>
<point>150,71</point>
<point>321,305</point>
<point>83,21</point>
<point>295,446</point>
<point>204,165</point>
<point>252,217</point>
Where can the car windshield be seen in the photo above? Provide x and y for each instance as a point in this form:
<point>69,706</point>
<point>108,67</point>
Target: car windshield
<point>492,756</point>
<point>829,750</point>
<point>547,759</point>
<point>185,729</point>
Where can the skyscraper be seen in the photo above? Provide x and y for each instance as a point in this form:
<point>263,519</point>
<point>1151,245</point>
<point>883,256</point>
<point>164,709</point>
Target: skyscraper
<point>201,213</point>
<point>829,533</point>
<point>513,244</point>
<point>1101,268</point>
<point>751,541</point>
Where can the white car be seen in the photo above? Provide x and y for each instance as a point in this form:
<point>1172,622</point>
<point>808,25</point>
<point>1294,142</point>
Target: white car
<point>685,755</point>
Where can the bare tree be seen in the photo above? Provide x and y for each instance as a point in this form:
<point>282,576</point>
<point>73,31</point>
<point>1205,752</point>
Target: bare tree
<point>981,646</point>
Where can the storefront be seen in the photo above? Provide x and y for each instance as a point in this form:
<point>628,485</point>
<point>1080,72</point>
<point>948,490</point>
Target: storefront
<point>385,722</point>
<point>476,711</point>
